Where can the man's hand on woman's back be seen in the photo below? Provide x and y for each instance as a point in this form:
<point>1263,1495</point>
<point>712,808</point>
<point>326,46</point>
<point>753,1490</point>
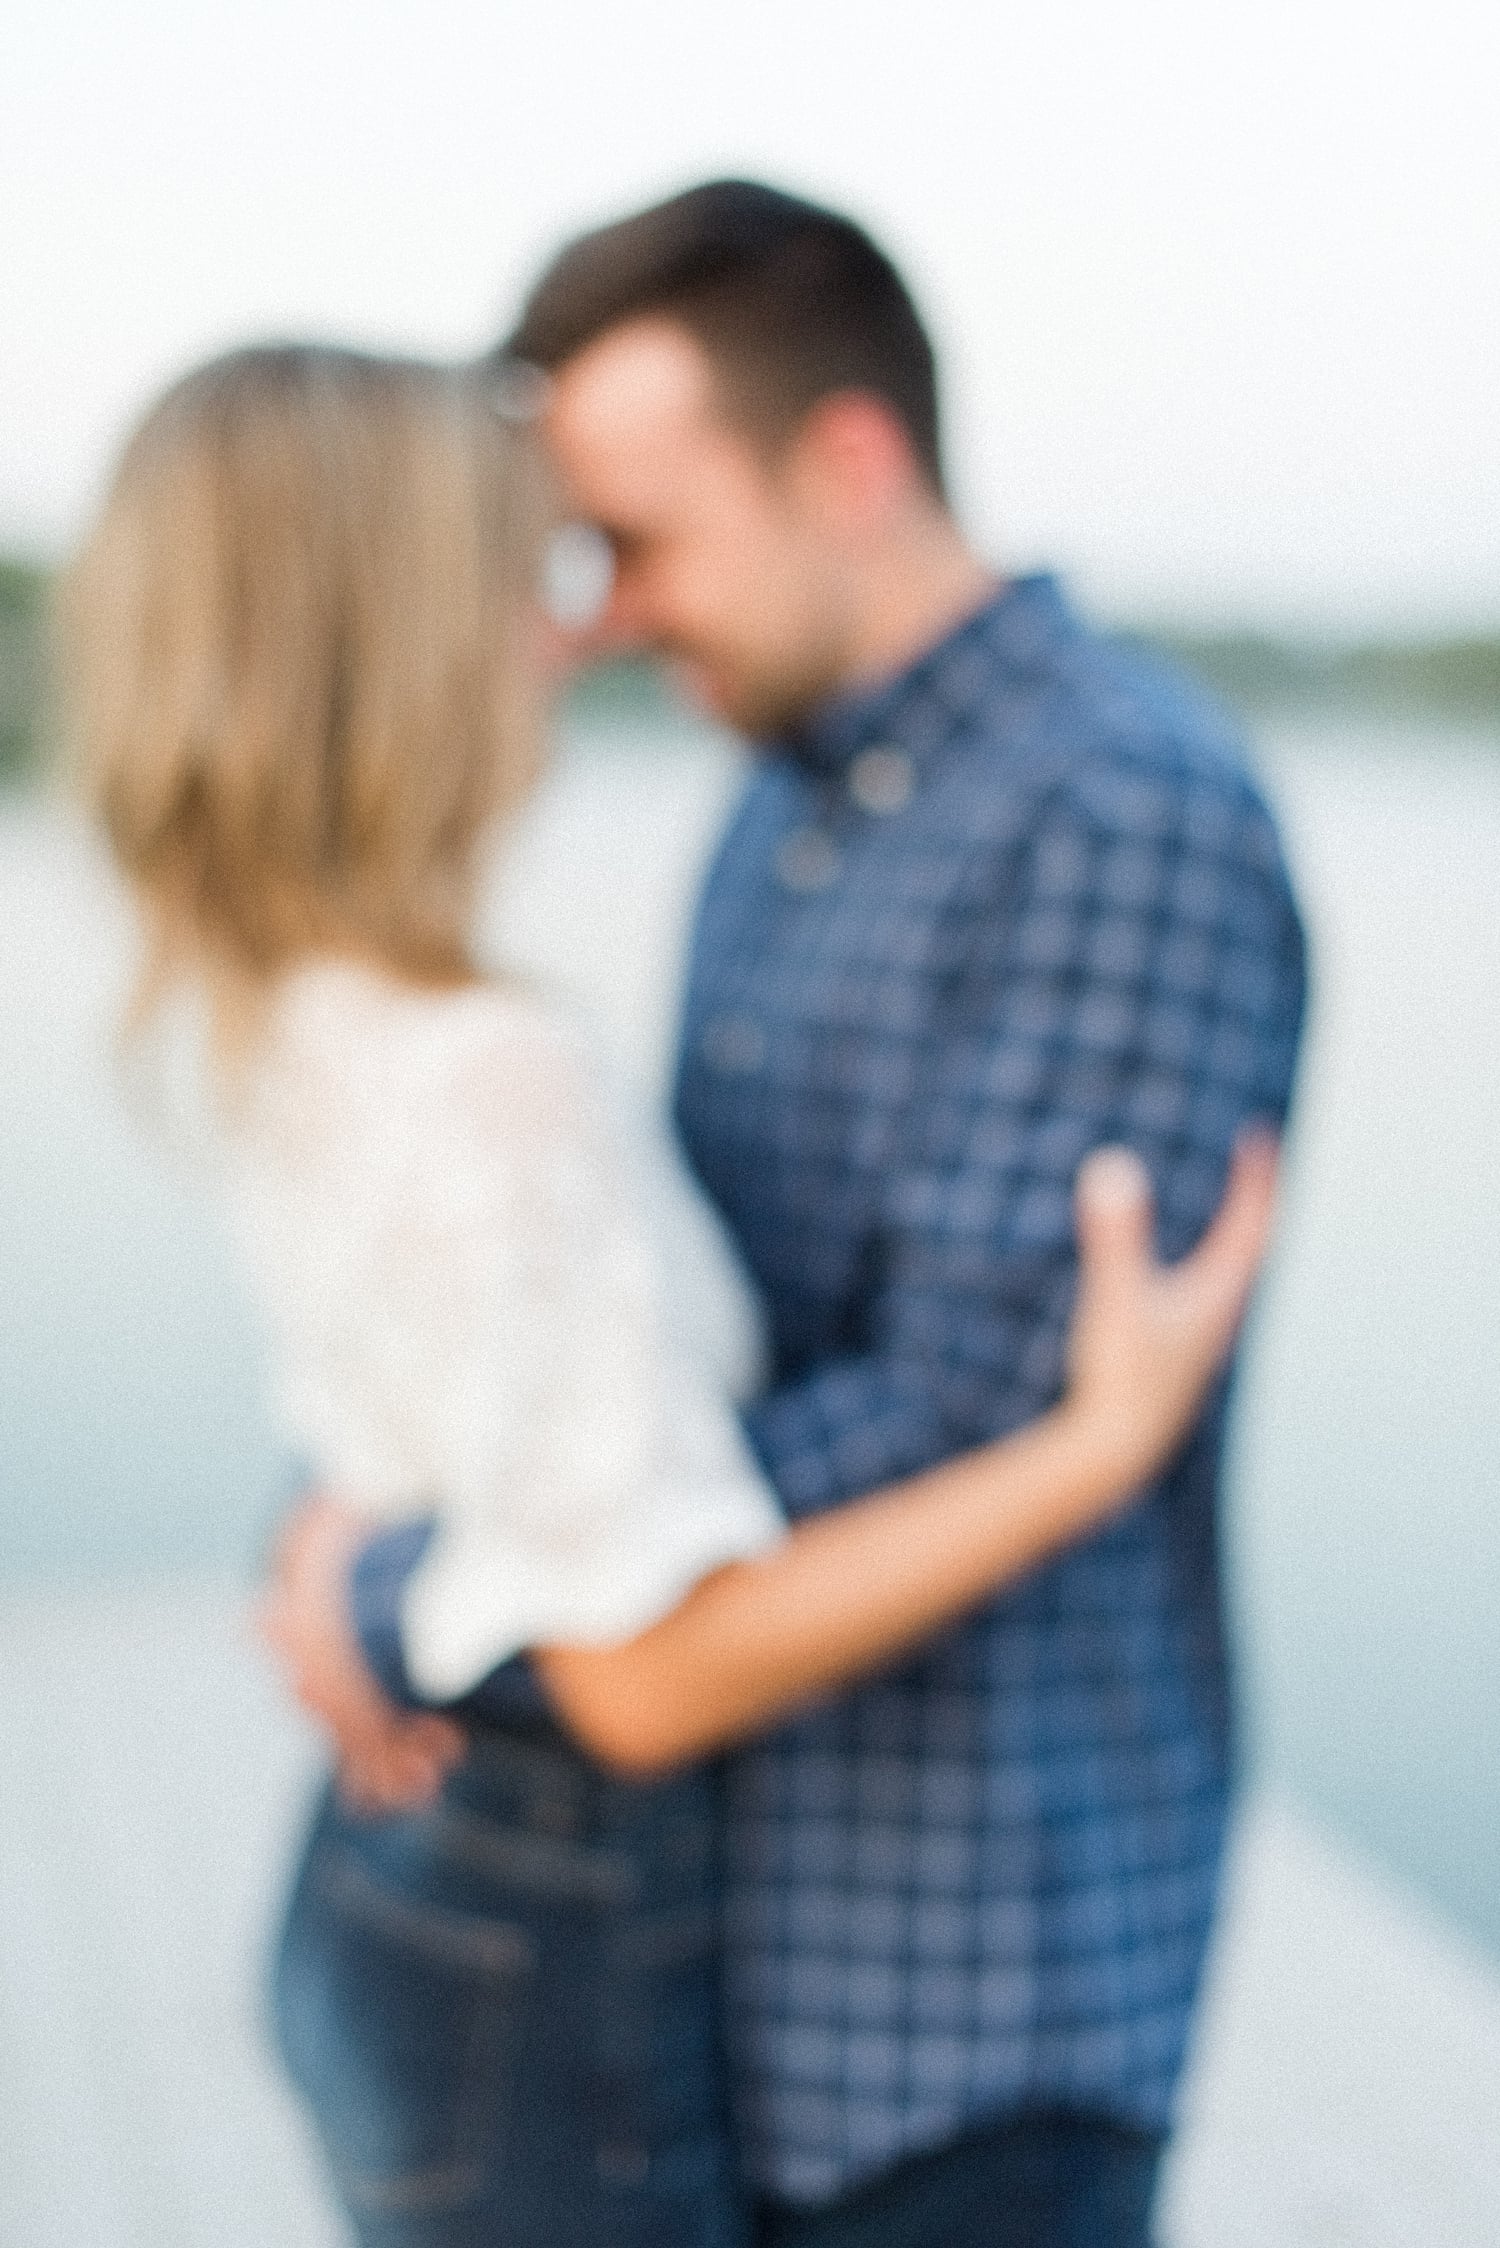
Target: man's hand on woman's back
<point>388,1759</point>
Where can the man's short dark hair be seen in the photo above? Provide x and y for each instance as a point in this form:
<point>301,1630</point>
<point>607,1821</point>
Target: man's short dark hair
<point>790,302</point>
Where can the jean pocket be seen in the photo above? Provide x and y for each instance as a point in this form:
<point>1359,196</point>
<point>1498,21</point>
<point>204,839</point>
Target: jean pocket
<point>398,2018</point>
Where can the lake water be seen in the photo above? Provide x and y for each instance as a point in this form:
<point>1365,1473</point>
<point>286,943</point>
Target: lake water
<point>1364,1516</point>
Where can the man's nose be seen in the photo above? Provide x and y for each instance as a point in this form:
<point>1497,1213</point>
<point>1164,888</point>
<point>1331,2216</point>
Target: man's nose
<point>626,621</point>
<point>613,632</point>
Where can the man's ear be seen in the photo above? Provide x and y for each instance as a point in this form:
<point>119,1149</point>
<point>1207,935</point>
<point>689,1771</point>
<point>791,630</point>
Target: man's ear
<point>854,461</point>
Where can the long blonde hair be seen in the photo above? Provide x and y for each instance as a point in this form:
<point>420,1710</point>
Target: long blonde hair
<point>295,662</point>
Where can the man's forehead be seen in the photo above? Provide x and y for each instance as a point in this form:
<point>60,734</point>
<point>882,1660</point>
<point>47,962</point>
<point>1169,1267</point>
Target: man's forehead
<point>628,403</point>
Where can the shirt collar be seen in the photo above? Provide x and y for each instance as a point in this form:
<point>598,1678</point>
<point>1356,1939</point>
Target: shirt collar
<point>1010,637</point>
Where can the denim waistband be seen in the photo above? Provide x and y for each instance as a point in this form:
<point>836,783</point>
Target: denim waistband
<point>536,1792</point>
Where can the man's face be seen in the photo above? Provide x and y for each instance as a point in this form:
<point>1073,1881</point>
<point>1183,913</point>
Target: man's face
<point>724,561</point>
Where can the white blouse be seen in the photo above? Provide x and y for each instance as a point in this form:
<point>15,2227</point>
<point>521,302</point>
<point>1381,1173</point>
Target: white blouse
<point>495,1298</point>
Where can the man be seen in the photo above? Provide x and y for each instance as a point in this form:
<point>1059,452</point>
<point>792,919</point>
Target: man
<point>999,891</point>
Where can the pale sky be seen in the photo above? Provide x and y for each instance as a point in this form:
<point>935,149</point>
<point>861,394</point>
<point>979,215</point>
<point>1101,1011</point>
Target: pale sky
<point>1217,285</point>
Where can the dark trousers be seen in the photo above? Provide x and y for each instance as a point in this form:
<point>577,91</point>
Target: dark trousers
<point>1037,2181</point>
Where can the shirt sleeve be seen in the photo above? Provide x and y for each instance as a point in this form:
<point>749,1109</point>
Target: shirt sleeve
<point>1133,972</point>
<point>509,1694</point>
<point>526,1292</point>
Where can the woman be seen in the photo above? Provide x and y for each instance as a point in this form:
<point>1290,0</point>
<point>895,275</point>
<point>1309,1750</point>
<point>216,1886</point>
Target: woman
<point>306,669</point>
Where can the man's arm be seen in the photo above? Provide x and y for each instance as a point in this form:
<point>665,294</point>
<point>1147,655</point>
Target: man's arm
<point>1137,976</point>
<point>377,1582</point>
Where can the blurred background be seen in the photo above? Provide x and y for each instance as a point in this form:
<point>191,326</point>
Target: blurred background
<point>1216,294</point>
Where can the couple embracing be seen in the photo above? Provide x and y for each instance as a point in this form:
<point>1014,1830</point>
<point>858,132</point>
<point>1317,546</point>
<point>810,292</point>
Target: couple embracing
<point>765,1607</point>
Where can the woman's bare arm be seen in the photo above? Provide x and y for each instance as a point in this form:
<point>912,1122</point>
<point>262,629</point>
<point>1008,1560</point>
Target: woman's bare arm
<point>849,1590</point>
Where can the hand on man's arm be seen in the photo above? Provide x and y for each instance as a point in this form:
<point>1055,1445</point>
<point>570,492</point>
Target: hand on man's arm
<point>1124,982</point>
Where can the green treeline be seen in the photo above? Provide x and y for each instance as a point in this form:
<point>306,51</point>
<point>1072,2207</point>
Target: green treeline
<point>1457,679</point>
<point>23,614</point>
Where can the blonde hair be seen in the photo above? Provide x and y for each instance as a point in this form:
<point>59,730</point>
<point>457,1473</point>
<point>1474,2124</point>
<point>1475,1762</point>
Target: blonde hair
<point>294,651</point>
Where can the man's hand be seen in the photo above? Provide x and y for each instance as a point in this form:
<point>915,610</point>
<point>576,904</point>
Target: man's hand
<point>388,1759</point>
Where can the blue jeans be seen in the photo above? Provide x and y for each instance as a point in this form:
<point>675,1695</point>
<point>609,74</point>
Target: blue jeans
<point>1049,2180</point>
<point>502,2012</point>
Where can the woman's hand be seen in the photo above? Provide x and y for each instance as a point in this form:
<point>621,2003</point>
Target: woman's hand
<point>1147,1339</point>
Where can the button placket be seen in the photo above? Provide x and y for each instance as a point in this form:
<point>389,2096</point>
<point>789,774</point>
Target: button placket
<point>807,860</point>
<point>881,779</point>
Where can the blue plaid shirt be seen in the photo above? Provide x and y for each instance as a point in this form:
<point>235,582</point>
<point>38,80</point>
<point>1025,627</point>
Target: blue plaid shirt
<point>1021,901</point>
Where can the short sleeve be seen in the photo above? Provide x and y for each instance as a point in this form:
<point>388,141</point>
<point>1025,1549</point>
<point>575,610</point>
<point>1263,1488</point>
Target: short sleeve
<point>586,1474</point>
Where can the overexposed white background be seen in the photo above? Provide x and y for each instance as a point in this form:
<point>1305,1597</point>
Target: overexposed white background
<point>1216,286</point>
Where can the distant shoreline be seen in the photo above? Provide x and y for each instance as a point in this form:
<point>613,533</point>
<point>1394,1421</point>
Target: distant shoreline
<point>1257,674</point>
<point>1263,675</point>
<point>1455,677</point>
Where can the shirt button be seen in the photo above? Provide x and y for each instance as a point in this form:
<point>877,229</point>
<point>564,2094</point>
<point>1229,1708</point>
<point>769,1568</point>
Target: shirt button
<point>734,1045</point>
<point>807,860</point>
<point>881,779</point>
